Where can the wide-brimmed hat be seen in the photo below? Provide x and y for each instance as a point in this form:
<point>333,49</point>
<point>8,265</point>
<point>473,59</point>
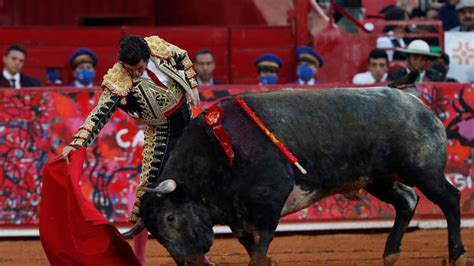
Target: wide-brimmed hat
<point>465,4</point>
<point>418,47</point>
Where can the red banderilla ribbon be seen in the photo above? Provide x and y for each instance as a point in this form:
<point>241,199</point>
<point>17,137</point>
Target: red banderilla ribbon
<point>253,116</point>
<point>213,118</point>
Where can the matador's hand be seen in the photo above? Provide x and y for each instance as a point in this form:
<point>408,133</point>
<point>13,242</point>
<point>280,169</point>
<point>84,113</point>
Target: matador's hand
<point>66,152</point>
<point>194,99</point>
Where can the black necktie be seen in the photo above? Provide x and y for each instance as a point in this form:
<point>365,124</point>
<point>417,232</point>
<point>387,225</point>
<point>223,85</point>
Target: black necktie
<point>12,83</point>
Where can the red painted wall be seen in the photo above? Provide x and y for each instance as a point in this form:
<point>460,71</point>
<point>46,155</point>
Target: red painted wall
<point>372,7</point>
<point>126,12</point>
<point>75,13</point>
<point>208,12</point>
<point>235,48</point>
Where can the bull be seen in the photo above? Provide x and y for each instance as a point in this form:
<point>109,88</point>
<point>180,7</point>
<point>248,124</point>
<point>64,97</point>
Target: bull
<point>383,140</point>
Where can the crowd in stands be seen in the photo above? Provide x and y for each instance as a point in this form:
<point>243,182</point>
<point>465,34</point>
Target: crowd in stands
<point>391,49</point>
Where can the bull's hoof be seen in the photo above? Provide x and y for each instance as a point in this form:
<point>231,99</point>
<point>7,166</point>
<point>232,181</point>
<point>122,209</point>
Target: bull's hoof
<point>262,262</point>
<point>390,260</point>
<point>461,261</point>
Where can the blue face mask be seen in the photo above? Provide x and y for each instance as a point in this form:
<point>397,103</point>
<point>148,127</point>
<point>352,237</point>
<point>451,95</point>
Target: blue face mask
<point>304,72</point>
<point>85,76</point>
<point>268,80</point>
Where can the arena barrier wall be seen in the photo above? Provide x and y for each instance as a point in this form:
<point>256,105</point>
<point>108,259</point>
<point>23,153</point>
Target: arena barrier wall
<point>36,123</point>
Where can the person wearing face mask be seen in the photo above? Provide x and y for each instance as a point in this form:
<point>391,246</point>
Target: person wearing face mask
<point>268,66</point>
<point>152,81</point>
<point>309,61</point>
<point>83,62</point>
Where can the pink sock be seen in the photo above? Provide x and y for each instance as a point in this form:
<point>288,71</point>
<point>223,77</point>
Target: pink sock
<point>207,261</point>
<point>139,245</point>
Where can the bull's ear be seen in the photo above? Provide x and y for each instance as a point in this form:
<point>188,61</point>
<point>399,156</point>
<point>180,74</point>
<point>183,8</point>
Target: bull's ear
<point>165,187</point>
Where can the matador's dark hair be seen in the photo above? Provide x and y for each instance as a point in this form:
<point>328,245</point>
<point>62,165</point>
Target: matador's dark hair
<point>133,49</point>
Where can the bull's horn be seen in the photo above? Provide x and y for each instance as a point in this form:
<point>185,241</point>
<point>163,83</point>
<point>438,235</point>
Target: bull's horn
<point>137,228</point>
<point>165,187</point>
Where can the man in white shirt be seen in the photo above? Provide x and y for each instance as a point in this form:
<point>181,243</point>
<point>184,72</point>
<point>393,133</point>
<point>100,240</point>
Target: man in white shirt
<point>13,61</point>
<point>378,65</point>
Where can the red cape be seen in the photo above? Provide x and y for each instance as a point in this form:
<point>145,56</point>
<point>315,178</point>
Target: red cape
<point>72,231</point>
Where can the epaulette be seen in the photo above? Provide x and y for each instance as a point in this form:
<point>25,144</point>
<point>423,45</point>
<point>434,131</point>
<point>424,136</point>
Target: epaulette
<point>159,47</point>
<point>117,80</point>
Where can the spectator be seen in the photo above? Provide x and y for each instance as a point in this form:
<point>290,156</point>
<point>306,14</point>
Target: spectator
<point>393,32</point>
<point>268,66</point>
<point>83,62</point>
<point>465,10</point>
<point>378,65</point>
<point>419,56</point>
<point>204,64</point>
<point>448,15</point>
<point>309,61</point>
<point>13,61</point>
<point>420,14</point>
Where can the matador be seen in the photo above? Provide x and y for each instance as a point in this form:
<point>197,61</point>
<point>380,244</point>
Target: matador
<point>153,81</point>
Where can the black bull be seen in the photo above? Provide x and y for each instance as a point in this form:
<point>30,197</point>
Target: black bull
<point>380,139</point>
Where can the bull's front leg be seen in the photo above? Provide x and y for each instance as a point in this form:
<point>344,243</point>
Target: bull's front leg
<point>262,242</point>
<point>257,243</point>
<point>258,211</point>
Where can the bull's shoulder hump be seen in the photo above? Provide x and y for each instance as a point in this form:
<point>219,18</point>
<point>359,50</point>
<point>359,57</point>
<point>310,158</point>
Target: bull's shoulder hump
<point>320,92</point>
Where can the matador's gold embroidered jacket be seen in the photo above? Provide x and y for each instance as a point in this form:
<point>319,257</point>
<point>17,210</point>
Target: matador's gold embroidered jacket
<point>145,101</point>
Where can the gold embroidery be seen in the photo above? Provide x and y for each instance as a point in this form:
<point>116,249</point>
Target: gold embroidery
<point>83,133</point>
<point>157,98</point>
<point>193,83</point>
<point>190,73</point>
<point>172,73</point>
<point>187,64</point>
<point>94,121</point>
<point>158,47</point>
<point>155,101</point>
<point>145,110</point>
<point>118,80</point>
<point>155,142</point>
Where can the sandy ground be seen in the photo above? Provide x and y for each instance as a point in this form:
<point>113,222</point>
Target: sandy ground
<point>420,247</point>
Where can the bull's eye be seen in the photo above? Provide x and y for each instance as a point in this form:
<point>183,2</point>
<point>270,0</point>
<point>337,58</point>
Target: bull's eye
<point>170,218</point>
